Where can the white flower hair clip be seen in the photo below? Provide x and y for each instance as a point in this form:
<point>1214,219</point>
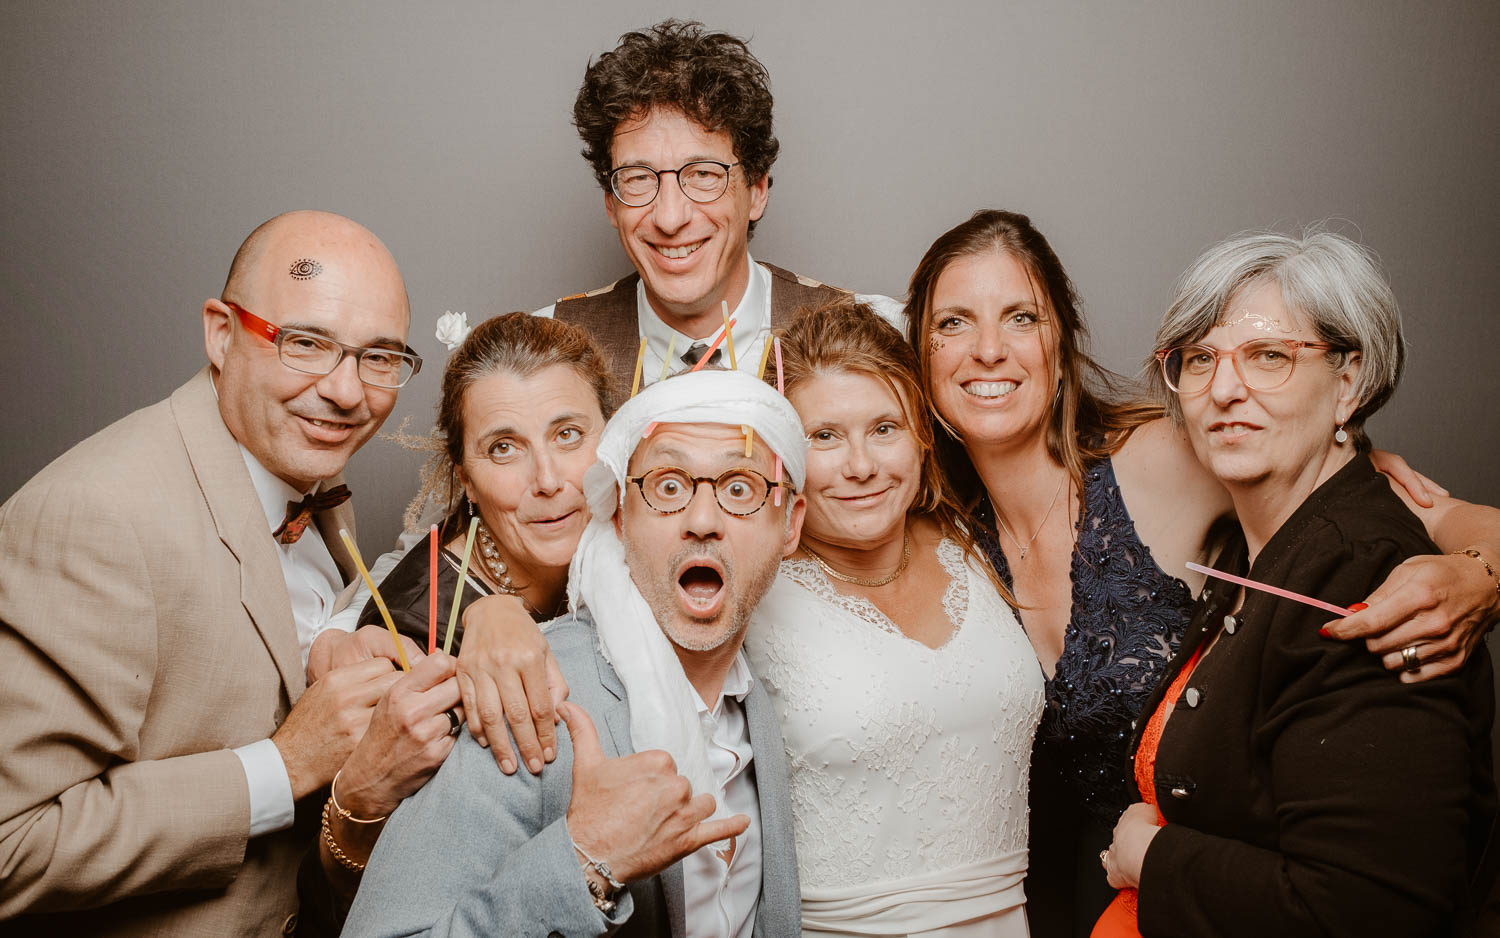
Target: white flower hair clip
<point>452,329</point>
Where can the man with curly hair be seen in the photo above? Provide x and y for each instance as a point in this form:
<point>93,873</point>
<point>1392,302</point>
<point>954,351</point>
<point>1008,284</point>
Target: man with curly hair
<point>676,123</point>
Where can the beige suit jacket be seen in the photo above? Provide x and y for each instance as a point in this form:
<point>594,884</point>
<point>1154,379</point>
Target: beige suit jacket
<point>145,629</point>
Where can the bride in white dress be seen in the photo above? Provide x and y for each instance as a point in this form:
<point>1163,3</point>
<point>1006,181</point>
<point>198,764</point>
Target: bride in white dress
<point>907,691</point>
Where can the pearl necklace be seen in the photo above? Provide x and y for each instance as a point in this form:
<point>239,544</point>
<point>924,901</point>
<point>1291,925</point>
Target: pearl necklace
<point>1017,541</point>
<point>489,555</point>
<point>861,581</point>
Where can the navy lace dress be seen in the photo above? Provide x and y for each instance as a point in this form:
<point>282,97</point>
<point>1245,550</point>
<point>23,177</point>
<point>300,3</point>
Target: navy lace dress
<point>1128,617</point>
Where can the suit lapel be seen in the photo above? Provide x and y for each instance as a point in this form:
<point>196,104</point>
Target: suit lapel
<point>779,911</point>
<point>240,522</point>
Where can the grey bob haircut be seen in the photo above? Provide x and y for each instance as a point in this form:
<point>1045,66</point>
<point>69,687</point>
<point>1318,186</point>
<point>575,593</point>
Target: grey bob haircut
<point>1332,283</point>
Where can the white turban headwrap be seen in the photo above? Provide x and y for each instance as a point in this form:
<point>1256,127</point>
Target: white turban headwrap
<point>663,705</point>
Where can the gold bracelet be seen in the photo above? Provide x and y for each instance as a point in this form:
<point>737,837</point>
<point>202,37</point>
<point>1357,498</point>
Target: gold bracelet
<point>1471,552</point>
<point>344,860</point>
<point>344,814</point>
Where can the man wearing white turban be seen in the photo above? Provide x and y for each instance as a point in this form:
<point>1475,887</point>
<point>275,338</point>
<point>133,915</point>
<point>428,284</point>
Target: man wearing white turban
<point>610,837</point>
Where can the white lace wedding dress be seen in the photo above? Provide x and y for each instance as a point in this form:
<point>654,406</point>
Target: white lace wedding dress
<point>909,764</point>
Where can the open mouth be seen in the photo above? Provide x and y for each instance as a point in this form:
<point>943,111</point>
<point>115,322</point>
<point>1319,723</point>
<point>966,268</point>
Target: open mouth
<point>989,390</point>
<point>700,588</point>
<point>680,251</point>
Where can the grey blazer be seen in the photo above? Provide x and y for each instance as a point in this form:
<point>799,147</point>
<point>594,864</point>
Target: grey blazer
<point>476,852</point>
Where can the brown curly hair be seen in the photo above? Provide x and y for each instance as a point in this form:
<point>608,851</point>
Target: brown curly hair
<point>711,77</point>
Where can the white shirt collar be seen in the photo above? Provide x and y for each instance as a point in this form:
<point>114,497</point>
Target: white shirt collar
<point>737,684</point>
<point>751,318</point>
<point>272,490</point>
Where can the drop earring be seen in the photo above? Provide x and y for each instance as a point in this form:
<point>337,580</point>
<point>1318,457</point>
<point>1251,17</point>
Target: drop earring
<point>1339,436</point>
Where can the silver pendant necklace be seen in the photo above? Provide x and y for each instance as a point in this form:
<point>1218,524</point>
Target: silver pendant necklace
<point>1026,548</point>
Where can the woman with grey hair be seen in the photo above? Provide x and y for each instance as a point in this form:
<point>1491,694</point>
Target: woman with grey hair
<point>1290,785</point>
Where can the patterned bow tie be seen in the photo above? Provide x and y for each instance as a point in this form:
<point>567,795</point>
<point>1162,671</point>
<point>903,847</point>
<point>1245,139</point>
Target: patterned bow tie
<point>696,351</point>
<point>300,514</point>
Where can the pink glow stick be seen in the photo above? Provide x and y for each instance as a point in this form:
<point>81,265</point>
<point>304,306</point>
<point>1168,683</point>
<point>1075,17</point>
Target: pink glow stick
<point>651,427</point>
<point>780,389</point>
<point>1276,591</point>
<point>432,556</point>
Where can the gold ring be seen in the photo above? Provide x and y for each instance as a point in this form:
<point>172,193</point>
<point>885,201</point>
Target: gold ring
<point>1410,660</point>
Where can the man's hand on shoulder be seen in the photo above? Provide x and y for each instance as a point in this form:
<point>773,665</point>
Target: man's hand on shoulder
<point>335,648</point>
<point>635,812</point>
<point>329,720</point>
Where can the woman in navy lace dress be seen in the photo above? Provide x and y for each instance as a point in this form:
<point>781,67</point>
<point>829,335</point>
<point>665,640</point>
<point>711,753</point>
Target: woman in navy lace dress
<point>1089,506</point>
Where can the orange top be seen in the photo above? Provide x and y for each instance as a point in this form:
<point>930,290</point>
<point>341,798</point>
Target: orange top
<point>1119,920</point>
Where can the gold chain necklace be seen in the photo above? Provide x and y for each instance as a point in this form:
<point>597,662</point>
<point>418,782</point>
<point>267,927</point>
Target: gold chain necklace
<point>861,581</point>
<point>1016,540</point>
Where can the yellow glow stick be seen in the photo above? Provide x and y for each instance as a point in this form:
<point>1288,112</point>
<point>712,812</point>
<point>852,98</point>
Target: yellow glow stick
<point>375,594</point>
<point>666,365</point>
<point>729,336</point>
<point>463,575</point>
<point>765,353</point>
<point>749,438</point>
<point>640,359</point>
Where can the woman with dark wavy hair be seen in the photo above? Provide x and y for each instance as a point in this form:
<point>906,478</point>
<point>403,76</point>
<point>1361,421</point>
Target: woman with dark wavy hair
<point>1090,503</point>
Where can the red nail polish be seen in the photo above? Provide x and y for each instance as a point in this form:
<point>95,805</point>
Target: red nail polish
<point>1357,607</point>
<point>1325,633</point>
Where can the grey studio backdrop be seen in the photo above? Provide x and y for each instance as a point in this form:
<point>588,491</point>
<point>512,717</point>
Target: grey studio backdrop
<point>142,141</point>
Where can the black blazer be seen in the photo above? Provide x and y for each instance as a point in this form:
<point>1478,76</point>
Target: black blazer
<point>1306,790</point>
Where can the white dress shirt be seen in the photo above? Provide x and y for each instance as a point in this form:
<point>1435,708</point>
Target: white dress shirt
<point>312,583</point>
<point>721,882</point>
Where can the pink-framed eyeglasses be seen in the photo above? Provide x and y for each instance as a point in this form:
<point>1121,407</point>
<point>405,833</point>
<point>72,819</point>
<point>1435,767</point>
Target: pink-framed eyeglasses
<point>1262,364</point>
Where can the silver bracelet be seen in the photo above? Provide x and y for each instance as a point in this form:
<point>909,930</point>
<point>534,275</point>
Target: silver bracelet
<point>599,866</point>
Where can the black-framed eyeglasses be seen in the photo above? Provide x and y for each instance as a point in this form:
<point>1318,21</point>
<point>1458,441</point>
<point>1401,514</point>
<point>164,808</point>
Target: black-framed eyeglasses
<point>668,489</point>
<point>1263,364</point>
<point>700,180</point>
<point>315,354</point>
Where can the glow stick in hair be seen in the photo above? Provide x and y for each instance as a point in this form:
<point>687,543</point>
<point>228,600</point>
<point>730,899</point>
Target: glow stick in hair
<point>651,427</point>
<point>765,353</point>
<point>666,365</point>
<point>375,594</point>
<point>640,359</point>
<point>733,362</point>
<point>1277,591</point>
<point>432,577</point>
<point>780,389</point>
<point>463,576</point>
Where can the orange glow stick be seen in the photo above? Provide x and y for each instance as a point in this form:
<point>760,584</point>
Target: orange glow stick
<point>651,427</point>
<point>728,323</point>
<point>375,594</point>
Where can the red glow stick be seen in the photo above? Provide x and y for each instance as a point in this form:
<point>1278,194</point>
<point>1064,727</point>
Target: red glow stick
<point>651,427</point>
<point>1276,591</point>
<point>780,389</point>
<point>432,555</point>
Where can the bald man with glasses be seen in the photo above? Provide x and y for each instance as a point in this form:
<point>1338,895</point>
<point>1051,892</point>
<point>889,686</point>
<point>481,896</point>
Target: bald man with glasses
<point>162,587</point>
